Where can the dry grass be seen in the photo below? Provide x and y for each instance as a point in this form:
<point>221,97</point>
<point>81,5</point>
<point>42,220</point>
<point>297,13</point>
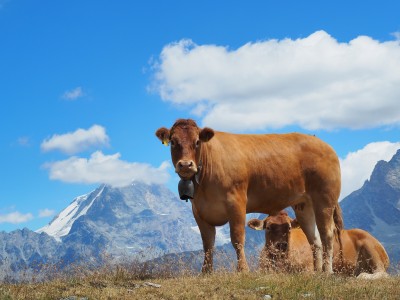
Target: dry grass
<point>178,278</point>
<point>132,283</point>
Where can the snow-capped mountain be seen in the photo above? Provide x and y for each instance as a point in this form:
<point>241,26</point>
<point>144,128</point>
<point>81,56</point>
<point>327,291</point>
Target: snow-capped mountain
<point>128,220</point>
<point>62,223</point>
<point>137,220</point>
<point>376,206</point>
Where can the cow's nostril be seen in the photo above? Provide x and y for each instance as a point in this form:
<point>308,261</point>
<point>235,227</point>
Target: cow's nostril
<point>183,164</point>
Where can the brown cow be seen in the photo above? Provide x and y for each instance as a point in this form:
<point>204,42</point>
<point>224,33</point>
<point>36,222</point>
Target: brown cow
<point>235,174</point>
<point>286,248</point>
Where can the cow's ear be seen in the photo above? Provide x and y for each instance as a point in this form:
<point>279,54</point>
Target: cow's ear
<point>295,223</point>
<point>163,135</point>
<point>206,134</point>
<point>256,224</point>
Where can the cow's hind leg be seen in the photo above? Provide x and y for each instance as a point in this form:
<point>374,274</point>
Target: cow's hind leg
<point>370,260</point>
<point>207,232</point>
<point>325,225</point>
<point>369,264</point>
<point>305,216</point>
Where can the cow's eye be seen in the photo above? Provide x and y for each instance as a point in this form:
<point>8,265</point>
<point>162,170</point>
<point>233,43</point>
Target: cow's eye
<point>197,143</point>
<point>172,143</point>
<point>268,228</point>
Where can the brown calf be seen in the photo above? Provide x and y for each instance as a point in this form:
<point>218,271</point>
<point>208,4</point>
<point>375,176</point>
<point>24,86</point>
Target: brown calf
<point>286,248</point>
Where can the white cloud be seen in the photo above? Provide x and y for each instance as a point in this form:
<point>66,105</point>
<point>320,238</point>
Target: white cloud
<point>44,213</point>
<point>108,169</point>
<point>396,35</point>
<point>15,218</point>
<point>73,94</point>
<point>77,141</point>
<point>313,82</point>
<point>357,166</point>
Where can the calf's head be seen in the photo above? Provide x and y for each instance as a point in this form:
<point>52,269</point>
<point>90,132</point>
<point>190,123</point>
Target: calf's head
<point>277,231</point>
<point>185,138</point>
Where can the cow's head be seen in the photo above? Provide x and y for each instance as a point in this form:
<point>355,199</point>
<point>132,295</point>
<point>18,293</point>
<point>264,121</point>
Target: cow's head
<point>277,230</point>
<point>185,138</point>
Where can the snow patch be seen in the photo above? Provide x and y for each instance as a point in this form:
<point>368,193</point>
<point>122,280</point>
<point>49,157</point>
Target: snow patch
<point>62,224</point>
<point>222,236</point>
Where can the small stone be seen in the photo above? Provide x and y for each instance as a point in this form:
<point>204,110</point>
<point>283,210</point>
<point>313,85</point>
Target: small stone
<point>155,285</point>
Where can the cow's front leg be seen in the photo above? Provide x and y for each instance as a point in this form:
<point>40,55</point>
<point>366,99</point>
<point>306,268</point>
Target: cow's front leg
<point>207,232</point>
<point>238,240</point>
<point>237,222</point>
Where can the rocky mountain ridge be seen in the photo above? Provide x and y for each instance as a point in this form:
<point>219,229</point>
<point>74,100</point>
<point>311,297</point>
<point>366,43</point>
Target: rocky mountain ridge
<point>375,207</point>
<point>142,219</point>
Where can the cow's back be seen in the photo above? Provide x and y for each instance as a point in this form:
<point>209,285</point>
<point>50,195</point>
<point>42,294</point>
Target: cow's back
<point>276,168</point>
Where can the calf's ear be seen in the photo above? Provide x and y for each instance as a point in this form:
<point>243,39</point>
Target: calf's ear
<point>163,135</point>
<point>206,134</point>
<point>256,224</point>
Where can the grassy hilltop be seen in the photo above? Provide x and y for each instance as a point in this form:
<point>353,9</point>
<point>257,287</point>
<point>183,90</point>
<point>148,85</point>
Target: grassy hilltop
<point>165,282</point>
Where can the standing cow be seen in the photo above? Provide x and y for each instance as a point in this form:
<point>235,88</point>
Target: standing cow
<point>235,174</point>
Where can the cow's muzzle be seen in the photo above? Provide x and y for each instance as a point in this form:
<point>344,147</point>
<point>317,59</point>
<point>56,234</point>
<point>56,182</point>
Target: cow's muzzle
<point>186,169</point>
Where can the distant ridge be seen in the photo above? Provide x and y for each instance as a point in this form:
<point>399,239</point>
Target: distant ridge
<point>139,219</point>
<point>375,207</point>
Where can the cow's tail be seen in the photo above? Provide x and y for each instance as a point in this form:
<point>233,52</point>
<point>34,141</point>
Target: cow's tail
<point>337,217</point>
<point>339,226</point>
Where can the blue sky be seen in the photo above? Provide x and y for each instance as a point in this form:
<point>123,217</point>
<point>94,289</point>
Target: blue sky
<point>85,84</point>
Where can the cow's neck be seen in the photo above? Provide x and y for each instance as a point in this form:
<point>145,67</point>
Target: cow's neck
<point>201,164</point>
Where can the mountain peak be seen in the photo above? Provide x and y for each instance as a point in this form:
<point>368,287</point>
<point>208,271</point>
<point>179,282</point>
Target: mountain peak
<point>380,170</point>
<point>127,220</point>
<point>376,206</point>
<point>62,223</point>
